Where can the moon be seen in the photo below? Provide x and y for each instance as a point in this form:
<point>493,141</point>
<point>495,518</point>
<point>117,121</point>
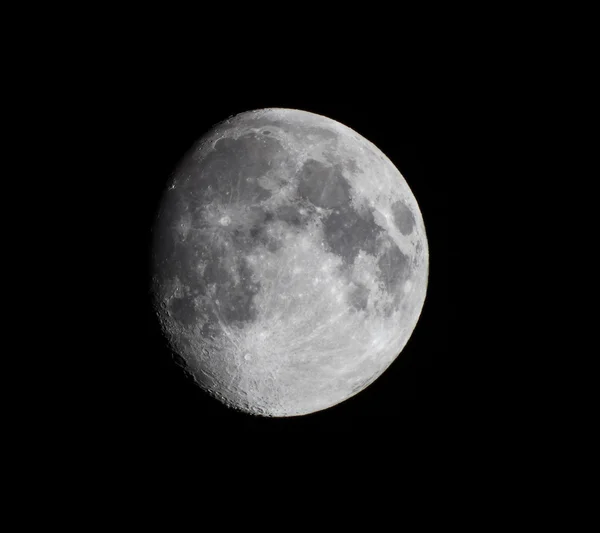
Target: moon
<point>289,262</point>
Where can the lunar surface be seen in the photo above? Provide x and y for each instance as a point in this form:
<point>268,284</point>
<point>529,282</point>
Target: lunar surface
<point>290,262</point>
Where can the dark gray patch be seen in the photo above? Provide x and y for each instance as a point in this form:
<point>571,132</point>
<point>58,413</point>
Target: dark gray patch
<point>347,232</point>
<point>242,236</point>
<point>236,300</point>
<point>323,185</point>
<point>231,169</point>
<point>291,215</point>
<point>359,297</point>
<point>183,310</point>
<point>266,132</point>
<point>179,263</point>
<point>255,231</point>
<point>165,239</point>
<point>351,166</point>
<point>211,329</point>
<point>394,267</point>
<point>245,239</point>
<point>220,251</point>
<point>259,236</point>
<point>403,217</point>
<point>272,245</point>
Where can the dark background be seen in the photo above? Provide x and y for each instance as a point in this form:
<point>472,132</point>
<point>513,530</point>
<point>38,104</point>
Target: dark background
<point>149,392</point>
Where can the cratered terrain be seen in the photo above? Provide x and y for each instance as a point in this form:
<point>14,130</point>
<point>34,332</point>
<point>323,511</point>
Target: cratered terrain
<point>289,262</point>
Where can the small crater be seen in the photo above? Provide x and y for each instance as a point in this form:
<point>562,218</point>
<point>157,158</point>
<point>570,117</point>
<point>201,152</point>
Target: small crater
<point>272,244</point>
<point>266,132</point>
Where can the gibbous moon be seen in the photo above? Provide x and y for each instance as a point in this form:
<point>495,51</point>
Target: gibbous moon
<point>290,262</point>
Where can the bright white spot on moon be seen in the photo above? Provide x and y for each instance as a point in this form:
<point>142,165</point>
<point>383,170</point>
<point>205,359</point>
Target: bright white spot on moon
<point>225,221</point>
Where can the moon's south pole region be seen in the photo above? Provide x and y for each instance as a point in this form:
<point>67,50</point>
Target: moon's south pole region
<point>289,262</point>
